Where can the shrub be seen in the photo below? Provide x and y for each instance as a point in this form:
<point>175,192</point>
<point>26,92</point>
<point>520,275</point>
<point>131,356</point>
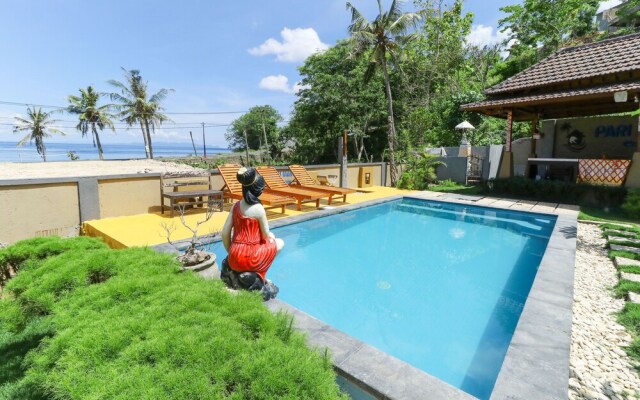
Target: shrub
<point>631,204</point>
<point>419,172</point>
<point>128,324</point>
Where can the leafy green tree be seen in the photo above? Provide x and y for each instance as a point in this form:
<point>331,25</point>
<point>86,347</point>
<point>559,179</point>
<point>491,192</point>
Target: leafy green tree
<point>379,39</point>
<point>334,97</point>
<point>545,25</point>
<point>38,127</point>
<point>260,124</point>
<point>91,117</point>
<point>628,17</point>
<point>136,108</point>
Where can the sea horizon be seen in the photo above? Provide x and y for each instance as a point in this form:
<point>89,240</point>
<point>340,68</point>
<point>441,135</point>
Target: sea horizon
<point>56,151</point>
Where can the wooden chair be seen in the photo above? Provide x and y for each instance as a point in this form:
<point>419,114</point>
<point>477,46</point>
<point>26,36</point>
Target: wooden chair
<point>232,189</point>
<point>197,185</point>
<point>302,177</point>
<point>277,185</point>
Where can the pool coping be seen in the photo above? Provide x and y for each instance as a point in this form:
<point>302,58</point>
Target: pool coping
<point>536,365</point>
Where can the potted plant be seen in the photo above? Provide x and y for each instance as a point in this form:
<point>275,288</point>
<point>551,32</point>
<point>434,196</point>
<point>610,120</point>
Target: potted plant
<point>192,258</point>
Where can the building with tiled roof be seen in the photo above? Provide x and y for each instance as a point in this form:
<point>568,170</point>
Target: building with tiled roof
<point>576,81</point>
<point>600,79</point>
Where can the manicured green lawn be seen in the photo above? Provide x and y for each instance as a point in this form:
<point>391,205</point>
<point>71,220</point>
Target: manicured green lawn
<point>601,214</point>
<point>452,187</point>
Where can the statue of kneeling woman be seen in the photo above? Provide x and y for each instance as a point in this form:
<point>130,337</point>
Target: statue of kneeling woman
<point>246,237</point>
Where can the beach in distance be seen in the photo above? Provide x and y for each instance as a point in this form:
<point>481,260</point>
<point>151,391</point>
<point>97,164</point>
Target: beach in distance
<point>112,151</point>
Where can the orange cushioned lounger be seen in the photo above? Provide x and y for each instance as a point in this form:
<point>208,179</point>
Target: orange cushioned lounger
<point>302,177</point>
<point>278,185</point>
<point>233,189</point>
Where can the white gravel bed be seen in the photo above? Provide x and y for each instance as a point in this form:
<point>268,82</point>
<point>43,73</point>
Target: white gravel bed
<point>600,368</point>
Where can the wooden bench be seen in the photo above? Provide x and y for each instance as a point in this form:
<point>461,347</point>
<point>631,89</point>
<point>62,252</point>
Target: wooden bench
<point>188,189</point>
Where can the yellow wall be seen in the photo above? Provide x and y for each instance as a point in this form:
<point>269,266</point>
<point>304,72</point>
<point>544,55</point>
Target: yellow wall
<point>129,196</point>
<point>38,210</point>
<point>352,174</point>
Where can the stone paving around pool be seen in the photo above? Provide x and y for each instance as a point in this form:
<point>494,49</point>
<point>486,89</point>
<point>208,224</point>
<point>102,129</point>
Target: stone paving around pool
<point>600,368</point>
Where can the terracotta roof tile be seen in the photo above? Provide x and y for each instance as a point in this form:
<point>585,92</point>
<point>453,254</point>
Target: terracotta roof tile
<point>587,61</point>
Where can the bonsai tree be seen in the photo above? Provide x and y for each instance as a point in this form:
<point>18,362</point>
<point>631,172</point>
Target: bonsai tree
<point>191,256</point>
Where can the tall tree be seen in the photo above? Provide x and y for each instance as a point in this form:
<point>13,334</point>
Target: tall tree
<point>135,108</point>
<point>379,39</point>
<point>546,24</point>
<point>261,126</point>
<point>334,97</point>
<point>91,117</point>
<point>38,126</point>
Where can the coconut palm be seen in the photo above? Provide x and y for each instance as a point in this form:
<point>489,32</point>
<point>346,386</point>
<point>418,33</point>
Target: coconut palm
<point>38,125</point>
<point>90,115</point>
<point>135,108</point>
<point>380,39</point>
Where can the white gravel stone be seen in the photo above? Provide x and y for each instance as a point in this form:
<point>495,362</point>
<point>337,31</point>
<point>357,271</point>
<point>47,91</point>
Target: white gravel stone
<point>600,369</point>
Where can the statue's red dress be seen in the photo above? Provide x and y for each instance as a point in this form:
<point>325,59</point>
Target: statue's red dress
<point>248,250</point>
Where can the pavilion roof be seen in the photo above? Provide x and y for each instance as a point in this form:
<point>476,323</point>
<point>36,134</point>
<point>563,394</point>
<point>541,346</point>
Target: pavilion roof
<point>575,81</point>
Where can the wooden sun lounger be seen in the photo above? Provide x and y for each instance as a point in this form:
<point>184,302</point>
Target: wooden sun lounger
<point>233,189</point>
<point>301,177</point>
<point>278,185</point>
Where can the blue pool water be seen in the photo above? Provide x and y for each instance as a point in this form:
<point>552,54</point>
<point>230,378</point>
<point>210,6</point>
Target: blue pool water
<point>440,286</point>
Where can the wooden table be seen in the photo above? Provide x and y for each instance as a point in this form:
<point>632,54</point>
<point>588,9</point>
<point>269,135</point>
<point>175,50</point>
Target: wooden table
<point>194,198</point>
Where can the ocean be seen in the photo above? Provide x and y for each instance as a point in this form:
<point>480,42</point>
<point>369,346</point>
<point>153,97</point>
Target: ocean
<point>112,151</point>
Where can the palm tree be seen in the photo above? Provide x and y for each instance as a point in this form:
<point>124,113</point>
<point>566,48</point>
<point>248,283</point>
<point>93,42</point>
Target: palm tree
<point>135,108</point>
<point>90,116</point>
<point>38,125</point>
<point>385,35</point>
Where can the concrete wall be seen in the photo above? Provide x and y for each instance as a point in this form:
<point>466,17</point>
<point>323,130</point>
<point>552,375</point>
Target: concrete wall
<point>129,196</point>
<point>521,149</point>
<point>455,169</point>
<point>43,207</point>
<point>38,210</point>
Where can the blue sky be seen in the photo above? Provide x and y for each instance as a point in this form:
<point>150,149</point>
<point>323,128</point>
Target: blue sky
<point>218,56</point>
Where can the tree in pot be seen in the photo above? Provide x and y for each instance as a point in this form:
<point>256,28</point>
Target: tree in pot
<point>192,258</point>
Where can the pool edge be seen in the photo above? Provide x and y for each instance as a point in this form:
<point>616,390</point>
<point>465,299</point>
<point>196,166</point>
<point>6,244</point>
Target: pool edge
<point>536,365</point>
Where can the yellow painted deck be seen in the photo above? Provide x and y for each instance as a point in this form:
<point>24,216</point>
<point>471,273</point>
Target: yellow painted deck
<point>147,229</point>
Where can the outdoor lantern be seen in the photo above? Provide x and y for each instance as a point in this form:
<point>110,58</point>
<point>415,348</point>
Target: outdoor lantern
<point>465,146</point>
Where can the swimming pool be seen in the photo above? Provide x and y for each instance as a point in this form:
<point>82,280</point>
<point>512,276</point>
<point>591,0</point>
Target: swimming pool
<point>437,285</point>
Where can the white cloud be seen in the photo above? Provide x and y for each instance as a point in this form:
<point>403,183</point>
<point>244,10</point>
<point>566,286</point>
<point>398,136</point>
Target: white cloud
<point>297,44</point>
<point>605,5</point>
<point>482,35</point>
<point>278,83</point>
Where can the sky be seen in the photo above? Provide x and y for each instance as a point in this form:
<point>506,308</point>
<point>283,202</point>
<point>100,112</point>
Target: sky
<point>219,57</point>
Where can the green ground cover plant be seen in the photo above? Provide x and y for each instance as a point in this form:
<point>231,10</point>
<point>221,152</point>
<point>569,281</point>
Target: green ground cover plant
<point>600,214</point>
<point>630,269</point>
<point>449,186</point>
<point>629,317</point>
<point>91,322</point>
